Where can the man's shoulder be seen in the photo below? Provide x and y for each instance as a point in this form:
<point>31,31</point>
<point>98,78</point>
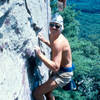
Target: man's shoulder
<point>59,44</point>
<point>63,39</point>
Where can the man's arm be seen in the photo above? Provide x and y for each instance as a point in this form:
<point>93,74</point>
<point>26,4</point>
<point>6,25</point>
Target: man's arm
<point>53,64</point>
<point>40,36</point>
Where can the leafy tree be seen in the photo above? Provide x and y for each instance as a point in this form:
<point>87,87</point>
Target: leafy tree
<point>95,39</point>
<point>61,94</point>
<point>86,57</point>
<point>53,5</point>
<point>71,25</point>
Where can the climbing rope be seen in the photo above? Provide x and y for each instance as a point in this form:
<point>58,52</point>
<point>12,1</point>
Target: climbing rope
<point>47,16</point>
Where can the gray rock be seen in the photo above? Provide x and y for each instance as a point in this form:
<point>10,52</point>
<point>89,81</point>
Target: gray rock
<point>20,69</point>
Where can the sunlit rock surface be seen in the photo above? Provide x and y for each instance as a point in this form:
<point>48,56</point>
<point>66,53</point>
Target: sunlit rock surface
<point>20,69</point>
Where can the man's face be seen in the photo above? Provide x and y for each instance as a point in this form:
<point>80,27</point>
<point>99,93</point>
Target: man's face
<point>54,27</point>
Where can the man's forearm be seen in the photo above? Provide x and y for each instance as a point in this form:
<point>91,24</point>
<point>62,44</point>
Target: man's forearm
<point>50,64</point>
<point>43,40</point>
<point>47,43</point>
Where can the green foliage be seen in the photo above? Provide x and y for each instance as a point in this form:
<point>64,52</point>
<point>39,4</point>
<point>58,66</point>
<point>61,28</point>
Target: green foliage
<point>95,73</point>
<point>90,24</point>
<point>71,25</point>
<point>95,39</point>
<point>85,47</point>
<point>87,60</point>
<point>85,54</point>
<point>53,5</point>
<point>61,94</point>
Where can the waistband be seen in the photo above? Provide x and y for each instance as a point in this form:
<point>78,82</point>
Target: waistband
<point>68,69</point>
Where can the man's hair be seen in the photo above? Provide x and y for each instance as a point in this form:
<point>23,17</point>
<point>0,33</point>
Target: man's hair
<point>57,18</point>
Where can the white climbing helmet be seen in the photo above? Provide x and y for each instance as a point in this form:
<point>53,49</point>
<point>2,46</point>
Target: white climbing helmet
<point>58,19</point>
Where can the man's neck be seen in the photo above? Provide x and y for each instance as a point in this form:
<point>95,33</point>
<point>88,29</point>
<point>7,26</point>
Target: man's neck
<point>54,36</point>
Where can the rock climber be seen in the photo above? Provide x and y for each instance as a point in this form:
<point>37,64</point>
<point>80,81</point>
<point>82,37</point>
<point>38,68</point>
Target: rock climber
<point>60,63</point>
<point>61,4</point>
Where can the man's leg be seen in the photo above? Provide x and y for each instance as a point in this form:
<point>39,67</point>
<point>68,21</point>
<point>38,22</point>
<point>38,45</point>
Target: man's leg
<point>49,96</point>
<point>44,88</point>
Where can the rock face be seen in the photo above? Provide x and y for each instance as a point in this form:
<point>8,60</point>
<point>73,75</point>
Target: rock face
<point>92,6</point>
<point>20,69</point>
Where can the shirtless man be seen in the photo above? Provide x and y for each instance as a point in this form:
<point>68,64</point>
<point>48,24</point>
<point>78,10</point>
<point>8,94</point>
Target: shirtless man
<point>60,63</point>
<point>61,4</point>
